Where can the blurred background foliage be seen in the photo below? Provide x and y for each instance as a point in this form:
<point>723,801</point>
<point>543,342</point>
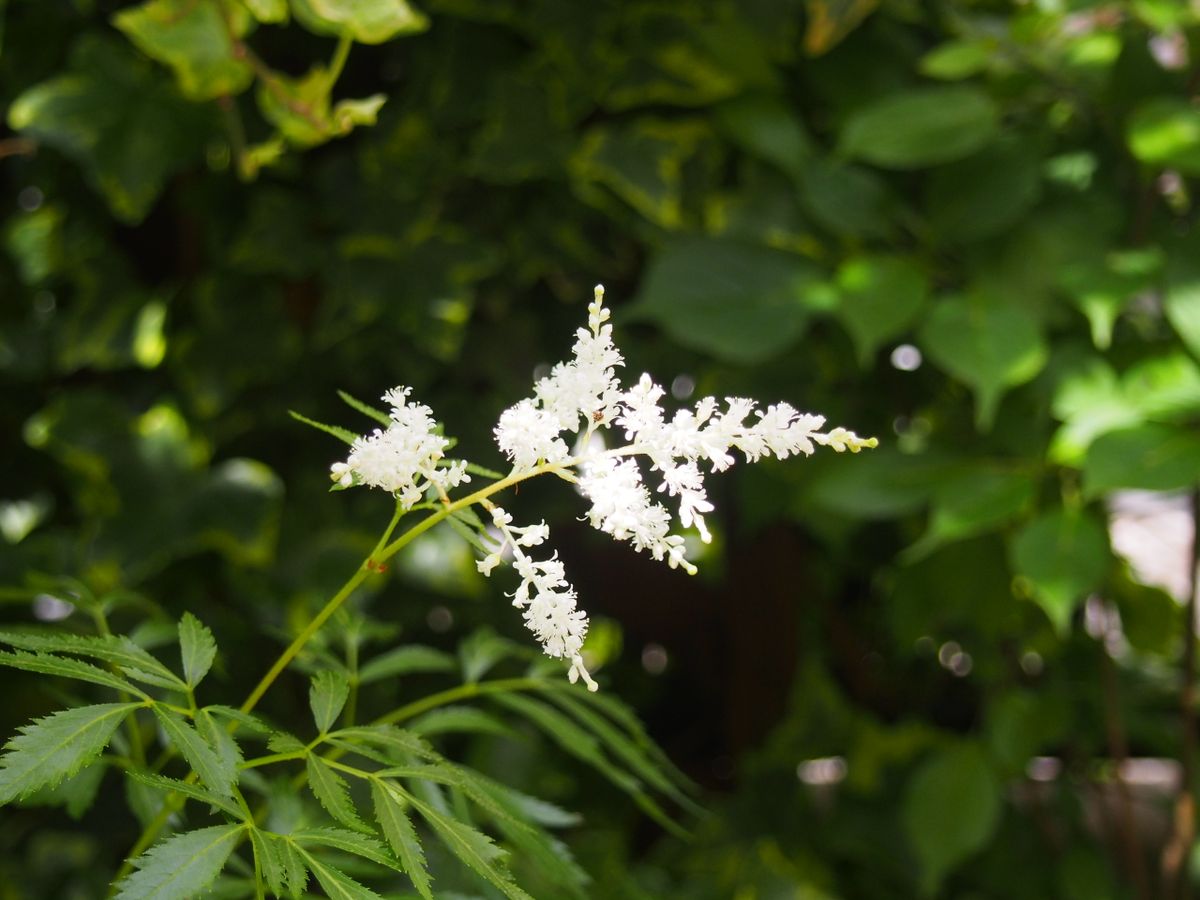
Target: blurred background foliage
<point>953,667</point>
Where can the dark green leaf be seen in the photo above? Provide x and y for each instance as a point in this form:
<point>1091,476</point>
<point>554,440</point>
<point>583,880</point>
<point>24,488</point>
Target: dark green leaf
<point>1146,457</point>
<point>1165,131</point>
<point>342,434</point>
<point>366,409</point>
<point>1065,555</point>
<point>220,775</point>
<point>403,661</point>
<point>197,647</point>
<point>67,668</point>
<point>879,297</point>
<point>131,659</point>
<point>347,841</point>
<point>128,130</point>
<point>392,816</point>
<point>182,866</point>
<point>48,750</point>
<point>459,719</point>
<point>920,127</point>
<point>187,789</point>
<point>951,808</point>
<point>990,347</point>
<point>326,697</point>
<point>737,301</point>
<point>333,793</point>
<point>337,884</point>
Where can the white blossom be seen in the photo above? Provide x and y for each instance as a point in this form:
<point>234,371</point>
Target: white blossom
<point>583,396</point>
<point>404,458</point>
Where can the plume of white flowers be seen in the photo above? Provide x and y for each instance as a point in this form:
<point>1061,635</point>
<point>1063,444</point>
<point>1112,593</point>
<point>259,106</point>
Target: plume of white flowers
<point>403,458</point>
<point>581,396</point>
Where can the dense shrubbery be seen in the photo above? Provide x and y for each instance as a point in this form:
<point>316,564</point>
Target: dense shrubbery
<point>965,227</point>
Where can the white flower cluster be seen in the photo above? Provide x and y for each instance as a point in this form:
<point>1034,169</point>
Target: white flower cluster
<point>402,459</point>
<point>580,396</point>
<point>545,596</point>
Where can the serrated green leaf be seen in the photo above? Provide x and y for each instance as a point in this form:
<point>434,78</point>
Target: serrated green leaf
<point>219,739</point>
<point>217,773</point>
<point>268,859</point>
<point>337,884</point>
<point>342,434</point>
<point>366,21</point>
<point>282,742</point>
<point>194,40</point>
<point>76,793</point>
<point>622,747</point>
<point>333,793</point>
<point>393,820</point>
<point>349,842</point>
<point>454,719</point>
<point>197,647</point>
<point>182,866</point>
<point>586,748</point>
<point>468,534</point>
<point>366,409</point>
<point>187,789</point>
<point>326,697</point>
<point>482,650</point>
<point>474,848</point>
<point>135,662</point>
<point>67,668</point>
<point>243,719</point>
<point>401,744</point>
<point>281,861</point>
<point>403,661</point>
<point>53,748</point>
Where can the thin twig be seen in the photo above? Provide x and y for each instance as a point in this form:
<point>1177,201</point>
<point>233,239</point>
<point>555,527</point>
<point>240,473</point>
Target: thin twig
<point>1118,751</point>
<point>1176,881</point>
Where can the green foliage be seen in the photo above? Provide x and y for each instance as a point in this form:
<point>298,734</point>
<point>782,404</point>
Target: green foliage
<point>224,209</point>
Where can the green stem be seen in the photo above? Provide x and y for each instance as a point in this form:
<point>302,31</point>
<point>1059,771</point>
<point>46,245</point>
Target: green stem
<point>273,758</point>
<point>339,59</point>
<point>131,726</point>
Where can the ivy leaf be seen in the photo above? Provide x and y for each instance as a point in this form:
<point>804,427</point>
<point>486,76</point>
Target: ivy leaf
<point>366,21</point>
<point>392,816</point>
<point>187,789</point>
<point>127,127</point>
<point>991,348</point>
<point>920,127</point>
<point>66,668</point>
<point>181,866</point>
<point>403,661</point>
<point>197,647</point>
<point>218,774</point>
<point>268,11</point>
<point>951,808</point>
<point>333,793</point>
<point>974,501</point>
<point>326,697</point>
<point>194,40</point>
<point>1065,555</point>
<point>57,746</point>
